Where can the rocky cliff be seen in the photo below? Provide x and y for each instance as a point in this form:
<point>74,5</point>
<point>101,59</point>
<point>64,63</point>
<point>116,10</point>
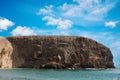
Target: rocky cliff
<point>59,52</point>
<point>53,52</point>
<point>6,50</point>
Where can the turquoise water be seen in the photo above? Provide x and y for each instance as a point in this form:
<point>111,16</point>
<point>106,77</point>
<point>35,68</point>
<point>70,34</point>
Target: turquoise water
<point>50,74</point>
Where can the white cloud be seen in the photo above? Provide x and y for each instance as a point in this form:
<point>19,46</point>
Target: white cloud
<point>46,10</point>
<point>51,21</point>
<point>64,24</point>
<point>80,12</point>
<point>88,10</point>
<point>111,24</point>
<point>49,16</point>
<point>22,31</point>
<point>61,24</point>
<point>5,24</point>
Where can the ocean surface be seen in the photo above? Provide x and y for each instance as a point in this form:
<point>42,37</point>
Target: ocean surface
<point>51,74</point>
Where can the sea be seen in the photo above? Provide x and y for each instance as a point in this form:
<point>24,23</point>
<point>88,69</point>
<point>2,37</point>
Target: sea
<point>59,74</point>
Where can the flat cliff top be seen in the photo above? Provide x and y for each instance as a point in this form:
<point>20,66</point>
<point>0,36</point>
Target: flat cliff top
<point>66,38</point>
<point>57,38</point>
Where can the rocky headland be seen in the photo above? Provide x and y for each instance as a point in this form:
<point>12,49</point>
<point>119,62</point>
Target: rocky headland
<point>58,52</point>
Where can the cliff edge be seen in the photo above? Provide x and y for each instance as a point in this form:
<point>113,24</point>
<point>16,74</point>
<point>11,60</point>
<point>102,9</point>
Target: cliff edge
<point>6,50</point>
<point>59,52</point>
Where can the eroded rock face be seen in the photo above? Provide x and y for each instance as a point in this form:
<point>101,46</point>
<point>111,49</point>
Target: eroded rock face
<point>59,52</point>
<point>5,53</point>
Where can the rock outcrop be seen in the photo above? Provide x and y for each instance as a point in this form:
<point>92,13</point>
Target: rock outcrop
<point>6,50</point>
<point>59,52</point>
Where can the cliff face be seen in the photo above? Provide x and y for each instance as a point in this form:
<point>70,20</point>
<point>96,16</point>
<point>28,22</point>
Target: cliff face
<point>5,53</point>
<point>59,52</point>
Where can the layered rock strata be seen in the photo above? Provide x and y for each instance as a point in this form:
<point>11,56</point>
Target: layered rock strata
<point>59,52</point>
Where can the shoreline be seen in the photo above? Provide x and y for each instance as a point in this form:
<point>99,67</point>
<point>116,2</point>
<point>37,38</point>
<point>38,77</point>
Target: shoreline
<point>61,69</point>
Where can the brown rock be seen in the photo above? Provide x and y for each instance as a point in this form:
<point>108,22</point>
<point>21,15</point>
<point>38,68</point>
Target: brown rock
<point>5,53</point>
<point>59,52</point>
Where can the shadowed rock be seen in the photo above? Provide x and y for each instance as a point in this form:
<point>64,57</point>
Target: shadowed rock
<point>59,52</point>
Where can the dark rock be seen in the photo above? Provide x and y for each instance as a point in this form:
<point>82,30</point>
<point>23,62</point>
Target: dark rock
<point>59,52</point>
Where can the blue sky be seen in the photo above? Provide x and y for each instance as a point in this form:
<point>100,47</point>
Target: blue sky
<point>95,19</point>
